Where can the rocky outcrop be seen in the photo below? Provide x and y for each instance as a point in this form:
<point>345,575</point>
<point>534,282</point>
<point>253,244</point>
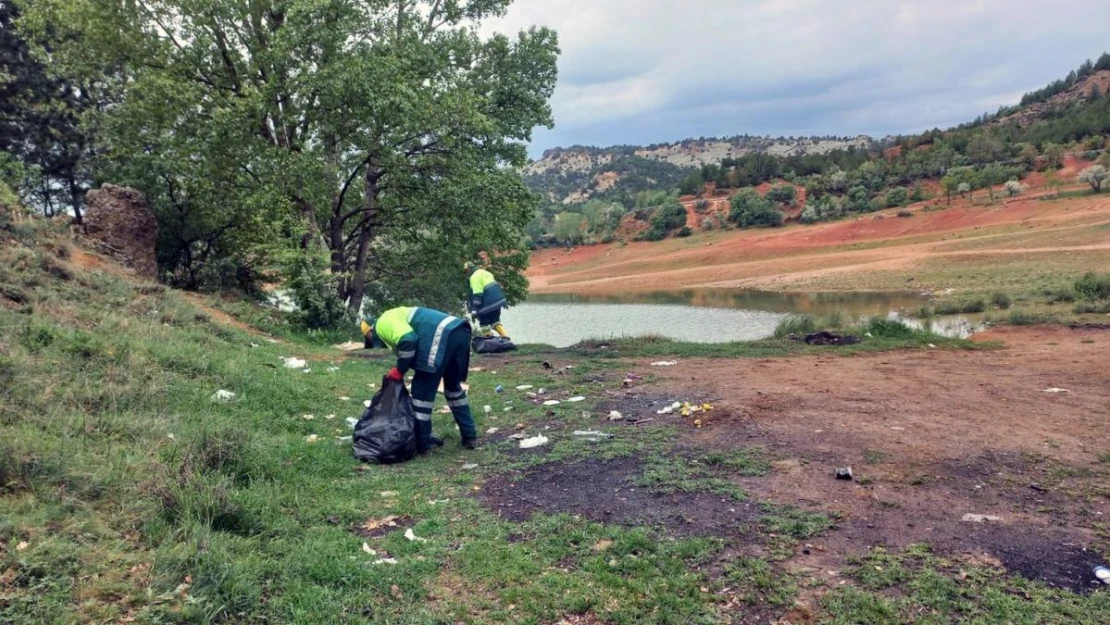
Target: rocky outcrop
<point>119,223</point>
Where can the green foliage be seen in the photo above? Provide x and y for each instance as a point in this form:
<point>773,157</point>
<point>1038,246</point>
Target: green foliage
<point>1014,188</point>
<point>569,227</point>
<point>1097,176</point>
<point>795,326</point>
<point>748,209</point>
<point>313,290</point>
<point>898,196</point>
<point>667,218</point>
<point>1093,286</point>
<point>683,232</point>
<point>784,194</point>
<point>1001,300</point>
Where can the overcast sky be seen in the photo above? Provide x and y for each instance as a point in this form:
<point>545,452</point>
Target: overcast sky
<point>643,71</point>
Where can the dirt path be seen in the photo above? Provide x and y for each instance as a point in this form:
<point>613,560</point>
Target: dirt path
<point>932,436</point>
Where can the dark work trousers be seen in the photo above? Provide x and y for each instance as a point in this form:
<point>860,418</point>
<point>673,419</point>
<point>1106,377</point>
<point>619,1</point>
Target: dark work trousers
<point>456,364</point>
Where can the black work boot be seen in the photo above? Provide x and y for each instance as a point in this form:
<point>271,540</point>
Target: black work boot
<point>436,441</point>
<point>470,443</point>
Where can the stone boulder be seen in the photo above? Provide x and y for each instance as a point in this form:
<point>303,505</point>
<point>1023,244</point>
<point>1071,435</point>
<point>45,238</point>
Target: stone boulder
<point>119,223</point>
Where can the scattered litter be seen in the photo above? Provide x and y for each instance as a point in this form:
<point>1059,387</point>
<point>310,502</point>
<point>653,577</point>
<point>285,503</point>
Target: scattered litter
<point>386,494</point>
<point>468,467</point>
<point>532,395</point>
<point>1056,390</point>
<point>552,402</point>
<point>1038,488</point>
<point>499,389</point>
<point>665,363</point>
<point>385,561</point>
<point>351,421</point>
<point>1102,574</point>
<point>344,439</point>
<point>633,376</point>
<point>254,345</point>
<point>372,385</point>
<point>171,436</point>
<point>898,428</point>
<point>487,409</point>
<point>306,370</point>
<point>329,417</point>
<point>367,549</point>
<point>642,421</point>
<point>524,387</point>
<point>592,435</point>
<point>828,338</point>
<point>535,441</point>
<point>542,391</point>
<point>519,426</point>
<point>437,502</point>
<point>350,346</point>
<point>576,399</point>
<point>293,362</point>
<point>477,369</point>
<point>344,399</point>
<point>413,537</point>
<point>311,438</point>
<point>670,409</point>
<point>931,346</point>
<point>223,396</point>
<point>308,417</point>
<point>517,437</point>
<point>980,518</point>
<point>507,409</point>
<point>697,423</point>
<point>445,410</point>
<point>22,545</point>
<point>333,369</point>
<point>844,474</point>
<point>546,365</point>
<point>492,431</point>
<point>366,403</point>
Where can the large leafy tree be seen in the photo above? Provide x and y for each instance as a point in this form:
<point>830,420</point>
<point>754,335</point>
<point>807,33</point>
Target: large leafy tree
<point>384,132</point>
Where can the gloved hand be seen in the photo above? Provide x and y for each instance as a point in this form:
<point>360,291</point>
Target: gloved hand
<point>395,375</point>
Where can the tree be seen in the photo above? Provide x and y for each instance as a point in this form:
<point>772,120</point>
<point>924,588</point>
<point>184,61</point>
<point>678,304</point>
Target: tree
<point>1029,155</point>
<point>784,194</point>
<point>985,148</point>
<point>898,196</point>
<point>1014,188</point>
<point>748,209</point>
<point>1053,155</point>
<point>1052,180</point>
<point>1096,176</point>
<point>964,188</point>
<point>390,131</point>
<point>568,227</point>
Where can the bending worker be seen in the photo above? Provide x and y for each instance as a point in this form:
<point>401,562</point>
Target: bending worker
<point>486,299</point>
<point>437,346</point>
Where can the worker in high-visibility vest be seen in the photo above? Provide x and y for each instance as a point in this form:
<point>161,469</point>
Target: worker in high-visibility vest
<point>437,347</point>
<point>486,299</point>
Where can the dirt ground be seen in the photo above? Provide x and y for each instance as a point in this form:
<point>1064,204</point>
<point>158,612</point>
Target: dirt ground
<point>1017,432</point>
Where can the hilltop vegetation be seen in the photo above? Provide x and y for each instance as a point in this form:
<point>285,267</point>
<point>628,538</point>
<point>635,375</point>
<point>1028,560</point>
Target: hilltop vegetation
<point>1068,116</point>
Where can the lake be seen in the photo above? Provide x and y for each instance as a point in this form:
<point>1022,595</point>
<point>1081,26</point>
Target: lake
<point>693,315</point>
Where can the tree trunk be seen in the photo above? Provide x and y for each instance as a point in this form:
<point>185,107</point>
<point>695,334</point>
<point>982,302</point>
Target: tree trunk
<point>357,286</point>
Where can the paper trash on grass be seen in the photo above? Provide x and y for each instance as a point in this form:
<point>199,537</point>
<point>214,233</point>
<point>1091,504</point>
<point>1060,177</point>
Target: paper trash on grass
<point>367,403</point>
<point>492,431</point>
<point>223,396</point>
<point>551,402</point>
<point>592,435</point>
<point>1056,390</point>
<point>351,421</point>
<point>344,399</point>
<point>292,362</point>
<point>576,399</point>
<point>308,417</point>
<point>311,438</point>
<point>468,467</point>
<point>615,416</point>
<point>535,441</point>
<point>367,549</point>
<point>333,369</point>
<point>524,387</point>
<point>665,363</point>
<point>385,561</point>
<point>413,537</point>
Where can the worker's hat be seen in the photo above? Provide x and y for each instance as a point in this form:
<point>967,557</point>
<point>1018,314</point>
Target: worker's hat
<point>366,325</point>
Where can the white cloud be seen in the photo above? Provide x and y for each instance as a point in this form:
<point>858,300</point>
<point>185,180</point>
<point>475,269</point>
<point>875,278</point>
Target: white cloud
<point>637,71</point>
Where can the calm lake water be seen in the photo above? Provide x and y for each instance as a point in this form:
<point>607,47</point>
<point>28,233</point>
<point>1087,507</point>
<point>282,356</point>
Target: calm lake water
<point>693,315</point>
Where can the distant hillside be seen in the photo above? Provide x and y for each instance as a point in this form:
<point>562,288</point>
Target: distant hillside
<point>575,174</point>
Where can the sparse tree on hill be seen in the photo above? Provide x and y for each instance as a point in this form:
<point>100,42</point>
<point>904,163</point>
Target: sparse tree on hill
<point>1029,155</point>
<point>1097,176</point>
<point>964,188</point>
<point>985,148</point>
<point>1053,155</point>
<point>1014,188</point>
<point>1052,180</point>
<point>783,194</point>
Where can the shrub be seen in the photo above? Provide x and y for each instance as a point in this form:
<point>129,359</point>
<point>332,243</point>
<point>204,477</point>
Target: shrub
<point>783,194</point>
<point>905,213</point>
<point>1014,188</point>
<point>897,196</point>
<point>1096,176</point>
<point>889,329</point>
<point>747,209</point>
<point>795,325</point>
<point>315,291</point>
<point>1088,308</point>
<point>670,216</point>
<point>1001,300</point>
<point>684,232</point>
<point>1093,286</point>
<point>701,205</point>
<point>810,215</point>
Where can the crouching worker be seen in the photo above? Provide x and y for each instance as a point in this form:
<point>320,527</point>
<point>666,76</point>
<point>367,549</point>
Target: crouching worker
<point>437,346</point>
<point>486,299</point>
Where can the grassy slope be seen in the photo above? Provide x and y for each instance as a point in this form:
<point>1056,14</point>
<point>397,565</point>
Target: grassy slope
<point>128,495</point>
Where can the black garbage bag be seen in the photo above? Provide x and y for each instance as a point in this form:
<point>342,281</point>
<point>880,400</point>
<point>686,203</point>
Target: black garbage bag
<point>386,433</point>
<point>829,338</point>
<point>492,345</point>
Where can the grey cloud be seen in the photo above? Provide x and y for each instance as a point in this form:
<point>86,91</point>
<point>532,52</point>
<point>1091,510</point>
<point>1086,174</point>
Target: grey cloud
<point>641,71</point>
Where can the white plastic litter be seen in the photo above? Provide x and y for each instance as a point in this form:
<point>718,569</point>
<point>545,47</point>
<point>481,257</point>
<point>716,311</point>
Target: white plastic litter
<point>524,387</point>
<point>385,561</point>
<point>551,402</point>
<point>980,518</point>
<point>329,417</point>
<point>437,502</point>
<point>344,399</point>
<point>592,434</point>
<point>308,417</point>
<point>670,409</point>
<point>223,396</point>
<point>388,493</point>
<point>292,362</point>
<point>535,441</point>
<point>492,431</point>
<point>367,549</point>
<point>413,537</point>
<point>468,467</point>
<point>1056,390</point>
<point>366,403</point>
<point>333,369</point>
<point>542,391</point>
<point>311,438</point>
<point>615,416</point>
<point>352,422</point>
<point>487,409</point>
<point>576,399</point>
<point>665,363</point>
<point>517,437</point>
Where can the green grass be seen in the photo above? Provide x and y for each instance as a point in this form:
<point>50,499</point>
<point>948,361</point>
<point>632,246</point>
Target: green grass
<point>128,494</point>
<point>916,586</point>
